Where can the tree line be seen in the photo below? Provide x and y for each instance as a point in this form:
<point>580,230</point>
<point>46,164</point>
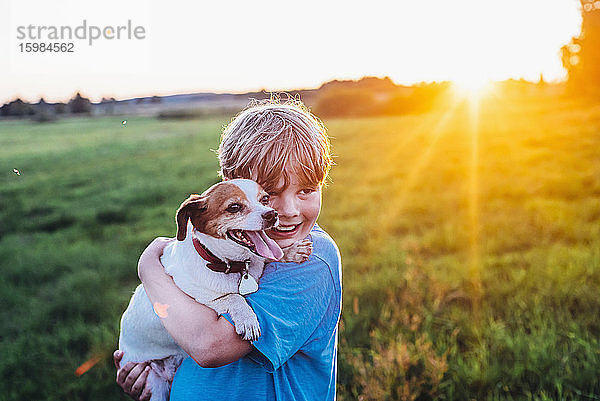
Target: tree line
<point>44,111</point>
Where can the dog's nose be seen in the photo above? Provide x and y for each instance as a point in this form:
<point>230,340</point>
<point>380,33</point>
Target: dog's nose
<point>270,217</point>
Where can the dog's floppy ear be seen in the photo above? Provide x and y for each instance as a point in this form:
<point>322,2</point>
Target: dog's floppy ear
<point>193,204</point>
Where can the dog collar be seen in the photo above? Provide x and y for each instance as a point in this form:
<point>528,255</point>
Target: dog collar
<point>216,264</point>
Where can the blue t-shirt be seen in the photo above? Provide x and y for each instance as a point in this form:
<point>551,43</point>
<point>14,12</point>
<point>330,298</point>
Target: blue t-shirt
<point>298,307</point>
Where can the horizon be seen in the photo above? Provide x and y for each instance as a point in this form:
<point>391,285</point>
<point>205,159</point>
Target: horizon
<point>280,91</point>
<point>209,49</point>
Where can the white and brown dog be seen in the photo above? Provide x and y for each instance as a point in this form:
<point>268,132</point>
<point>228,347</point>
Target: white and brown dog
<point>219,257</point>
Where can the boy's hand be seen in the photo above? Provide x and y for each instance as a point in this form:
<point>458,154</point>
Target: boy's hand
<point>150,258</point>
<point>132,378</point>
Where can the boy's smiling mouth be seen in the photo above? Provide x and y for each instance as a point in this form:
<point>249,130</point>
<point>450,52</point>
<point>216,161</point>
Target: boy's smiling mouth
<point>285,231</point>
<point>286,228</point>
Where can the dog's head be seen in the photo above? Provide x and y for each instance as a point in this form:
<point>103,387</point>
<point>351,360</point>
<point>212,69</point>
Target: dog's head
<point>235,210</point>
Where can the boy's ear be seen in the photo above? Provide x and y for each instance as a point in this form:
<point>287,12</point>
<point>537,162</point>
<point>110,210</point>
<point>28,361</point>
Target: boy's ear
<point>195,204</point>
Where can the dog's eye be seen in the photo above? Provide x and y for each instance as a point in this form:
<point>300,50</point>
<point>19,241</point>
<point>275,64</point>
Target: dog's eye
<point>265,200</point>
<point>234,208</point>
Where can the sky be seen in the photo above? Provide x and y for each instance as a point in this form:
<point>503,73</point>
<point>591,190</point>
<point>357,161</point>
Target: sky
<point>186,46</point>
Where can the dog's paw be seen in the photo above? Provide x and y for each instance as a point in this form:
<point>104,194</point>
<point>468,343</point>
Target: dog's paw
<point>248,327</point>
<point>297,252</point>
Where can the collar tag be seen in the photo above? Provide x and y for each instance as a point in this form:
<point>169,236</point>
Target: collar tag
<point>247,284</point>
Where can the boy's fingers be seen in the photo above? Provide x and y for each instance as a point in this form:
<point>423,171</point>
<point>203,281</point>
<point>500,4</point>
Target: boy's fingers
<point>133,376</point>
<point>140,384</point>
<point>123,372</point>
<point>146,394</point>
<point>117,356</point>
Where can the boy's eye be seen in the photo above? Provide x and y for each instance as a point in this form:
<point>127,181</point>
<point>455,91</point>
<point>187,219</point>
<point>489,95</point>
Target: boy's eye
<point>307,191</point>
<point>234,208</point>
<point>264,200</point>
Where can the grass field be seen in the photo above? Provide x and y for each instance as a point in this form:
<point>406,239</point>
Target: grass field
<point>470,240</point>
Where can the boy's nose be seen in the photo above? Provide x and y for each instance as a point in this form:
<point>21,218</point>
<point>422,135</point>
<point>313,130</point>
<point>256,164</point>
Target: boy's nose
<point>286,207</point>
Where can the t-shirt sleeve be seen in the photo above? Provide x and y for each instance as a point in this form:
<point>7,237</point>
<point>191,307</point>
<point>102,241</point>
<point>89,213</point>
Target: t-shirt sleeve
<point>290,304</point>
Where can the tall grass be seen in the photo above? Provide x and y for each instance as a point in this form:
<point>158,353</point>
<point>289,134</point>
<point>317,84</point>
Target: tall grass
<point>471,248</point>
<point>506,244</point>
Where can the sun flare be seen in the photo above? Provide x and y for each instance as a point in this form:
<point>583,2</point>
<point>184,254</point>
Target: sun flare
<point>471,86</point>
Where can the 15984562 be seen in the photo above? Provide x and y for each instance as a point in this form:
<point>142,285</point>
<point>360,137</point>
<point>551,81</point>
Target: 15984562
<point>55,47</point>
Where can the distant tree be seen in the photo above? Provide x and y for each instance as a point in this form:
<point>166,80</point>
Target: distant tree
<point>108,105</point>
<point>343,101</point>
<point>17,108</point>
<point>4,110</point>
<point>373,84</point>
<point>60,108</point>
<point>421,98</point>
<point>541,81</point>
<point>80,104</point>
<point>156,99</point>
<point>42,104</point>
<point>581,56</point>
<point>44,112</point>
<point>371,96</point>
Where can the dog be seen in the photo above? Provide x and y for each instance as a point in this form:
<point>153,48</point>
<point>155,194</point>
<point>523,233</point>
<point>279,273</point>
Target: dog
<point>219,256</point>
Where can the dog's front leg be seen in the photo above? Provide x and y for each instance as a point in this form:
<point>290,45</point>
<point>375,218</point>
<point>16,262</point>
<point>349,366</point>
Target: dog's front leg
<point>246,322</point>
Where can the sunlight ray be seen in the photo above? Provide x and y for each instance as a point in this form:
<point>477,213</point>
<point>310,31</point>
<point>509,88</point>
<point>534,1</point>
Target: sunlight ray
<point>401,191</point>
<point>425,157</point>
<point>401,187</point>
<point>391,157</point>
<point>474,273</point>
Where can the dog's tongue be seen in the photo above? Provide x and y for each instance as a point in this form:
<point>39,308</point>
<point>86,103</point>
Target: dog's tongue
<point>265,246</point>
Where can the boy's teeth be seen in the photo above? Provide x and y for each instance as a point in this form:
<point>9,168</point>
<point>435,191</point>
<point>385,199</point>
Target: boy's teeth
<point>288,228</point>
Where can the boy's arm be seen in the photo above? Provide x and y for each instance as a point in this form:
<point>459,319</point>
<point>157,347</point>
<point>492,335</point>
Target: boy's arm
<point>209,339</point>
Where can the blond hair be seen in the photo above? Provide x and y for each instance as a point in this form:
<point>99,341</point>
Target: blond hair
<point>268,140</point>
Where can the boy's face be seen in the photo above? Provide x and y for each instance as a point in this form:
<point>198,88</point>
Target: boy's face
<point>298,208</point>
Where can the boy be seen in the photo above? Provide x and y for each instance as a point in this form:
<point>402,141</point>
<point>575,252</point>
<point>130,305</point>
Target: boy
<point>285,149</point>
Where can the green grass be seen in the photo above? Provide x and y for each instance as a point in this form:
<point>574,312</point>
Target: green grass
<point>467,275</point>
